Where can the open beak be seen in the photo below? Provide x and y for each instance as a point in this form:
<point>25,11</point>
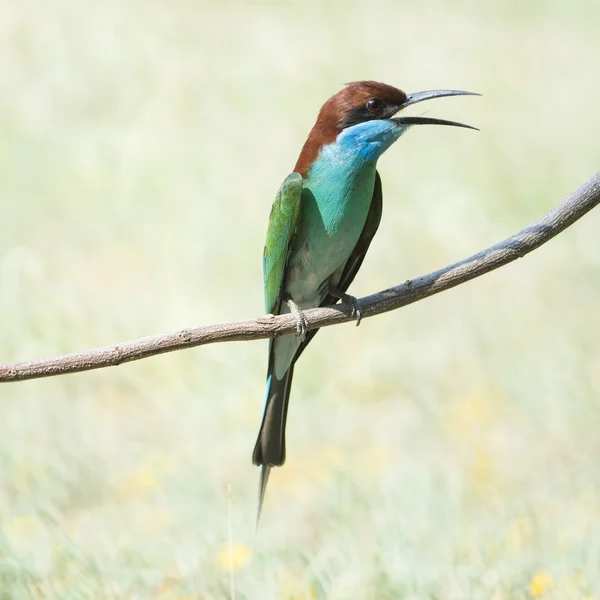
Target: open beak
<point>428,95</point>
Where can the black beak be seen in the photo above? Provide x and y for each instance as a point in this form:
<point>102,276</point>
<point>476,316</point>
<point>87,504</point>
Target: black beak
<point>428,95</point>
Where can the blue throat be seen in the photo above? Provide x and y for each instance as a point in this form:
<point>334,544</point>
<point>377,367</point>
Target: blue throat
<point>342,177</point>
<point>369,140</point>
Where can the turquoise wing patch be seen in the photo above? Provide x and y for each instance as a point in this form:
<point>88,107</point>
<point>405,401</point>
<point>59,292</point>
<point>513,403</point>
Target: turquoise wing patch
<point>283,221</point>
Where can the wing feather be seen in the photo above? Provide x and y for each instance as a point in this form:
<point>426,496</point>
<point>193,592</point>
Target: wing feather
<point>283,220</point>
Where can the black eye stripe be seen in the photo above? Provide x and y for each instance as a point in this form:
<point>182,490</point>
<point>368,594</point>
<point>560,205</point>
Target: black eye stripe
<point>373,108</point>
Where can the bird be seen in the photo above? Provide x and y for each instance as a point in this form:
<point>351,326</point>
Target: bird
<point>321,224</point>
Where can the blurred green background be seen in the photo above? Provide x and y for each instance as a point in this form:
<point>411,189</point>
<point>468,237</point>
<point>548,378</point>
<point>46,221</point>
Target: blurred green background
<point>448,450</point>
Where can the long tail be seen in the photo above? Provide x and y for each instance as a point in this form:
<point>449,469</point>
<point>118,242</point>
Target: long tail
<point>265,470</point>
<point>269,450</point>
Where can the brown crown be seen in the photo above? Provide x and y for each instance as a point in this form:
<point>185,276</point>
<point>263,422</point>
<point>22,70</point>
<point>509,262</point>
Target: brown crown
<point>333,113</point>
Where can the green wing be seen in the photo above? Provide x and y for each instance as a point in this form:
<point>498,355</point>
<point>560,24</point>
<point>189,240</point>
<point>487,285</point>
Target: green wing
<point>283,221</point>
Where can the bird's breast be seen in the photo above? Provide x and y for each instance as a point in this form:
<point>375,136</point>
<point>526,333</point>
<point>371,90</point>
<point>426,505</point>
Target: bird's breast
<point>335,203</point>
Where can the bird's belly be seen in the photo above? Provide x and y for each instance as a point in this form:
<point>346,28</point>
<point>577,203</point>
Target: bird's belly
<point>310,274</point>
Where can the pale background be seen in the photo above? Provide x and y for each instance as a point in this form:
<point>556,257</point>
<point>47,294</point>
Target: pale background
<point>446,450</point>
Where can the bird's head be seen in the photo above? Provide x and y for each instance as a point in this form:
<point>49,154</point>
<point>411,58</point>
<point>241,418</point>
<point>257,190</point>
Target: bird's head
<point>361,115</point>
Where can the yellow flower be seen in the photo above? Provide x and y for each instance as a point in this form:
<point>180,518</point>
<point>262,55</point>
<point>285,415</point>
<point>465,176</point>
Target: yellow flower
<point>141,481</point>
<point>540,583</point>
<point>146,478</point>
<point>24,527</point>
<point>469,415</point>
<point>481,472</point>
<point>234,557</point>
<point>169,590</point>
<point>25,532</point>
<point>520,534</point>
<point>295,589</point>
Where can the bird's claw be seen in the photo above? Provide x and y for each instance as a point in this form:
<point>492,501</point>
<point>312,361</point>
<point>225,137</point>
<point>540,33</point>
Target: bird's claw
<point>355,303</point>
<point>357,309</point>
<point>301,320</point>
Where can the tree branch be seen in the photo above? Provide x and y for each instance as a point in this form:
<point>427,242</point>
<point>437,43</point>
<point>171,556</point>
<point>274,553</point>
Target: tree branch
<point>516,246</point>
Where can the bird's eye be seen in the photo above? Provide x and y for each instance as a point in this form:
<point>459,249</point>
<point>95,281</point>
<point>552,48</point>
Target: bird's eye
<point>374,105</point>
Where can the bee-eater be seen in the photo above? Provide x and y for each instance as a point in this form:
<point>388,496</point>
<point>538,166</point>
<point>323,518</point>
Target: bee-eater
<point>320,228</point>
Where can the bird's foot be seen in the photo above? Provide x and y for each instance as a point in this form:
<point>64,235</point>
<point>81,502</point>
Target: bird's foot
<point>357,307</point>
<point>301,320</point>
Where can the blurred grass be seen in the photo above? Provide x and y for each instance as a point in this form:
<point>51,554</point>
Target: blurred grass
<point>447,450</point>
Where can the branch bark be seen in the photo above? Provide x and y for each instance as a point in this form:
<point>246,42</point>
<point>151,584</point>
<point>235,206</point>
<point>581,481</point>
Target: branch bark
<point>516,246</point>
